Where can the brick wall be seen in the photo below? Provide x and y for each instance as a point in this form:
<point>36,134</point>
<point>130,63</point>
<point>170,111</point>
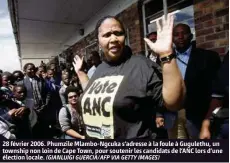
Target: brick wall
<point>131,19</point>
<point>212,24</point>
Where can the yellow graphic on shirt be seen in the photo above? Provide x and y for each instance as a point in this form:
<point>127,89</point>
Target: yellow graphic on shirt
<point>97,107</point>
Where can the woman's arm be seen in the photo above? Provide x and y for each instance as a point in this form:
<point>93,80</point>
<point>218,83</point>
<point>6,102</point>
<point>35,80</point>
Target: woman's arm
<point>74,134</point>
<point>65,124</point>
<point>83,77</point>
<point>62,96</point>
<point>173,89</point>
<point>173,86</point>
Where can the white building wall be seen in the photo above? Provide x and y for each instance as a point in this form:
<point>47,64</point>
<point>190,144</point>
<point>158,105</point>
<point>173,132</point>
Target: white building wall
<point>113,8</point>
<point>36,62</point>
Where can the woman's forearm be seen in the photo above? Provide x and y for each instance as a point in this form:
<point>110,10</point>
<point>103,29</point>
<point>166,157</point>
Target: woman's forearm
<point>83,79</point>
<point>173,86</point>
<point>74,134</point>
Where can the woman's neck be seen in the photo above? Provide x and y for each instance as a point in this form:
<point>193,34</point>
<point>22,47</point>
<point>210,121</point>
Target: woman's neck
<point>74,106</point>
<point>124,56</point>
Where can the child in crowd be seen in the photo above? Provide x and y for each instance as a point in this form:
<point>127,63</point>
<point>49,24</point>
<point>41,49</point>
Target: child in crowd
<point>19,97</point>
<point>66,83</point>
<point>6,83</point>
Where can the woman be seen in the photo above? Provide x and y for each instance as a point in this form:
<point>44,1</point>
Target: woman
<point>69,117</point>
<point>125,91</point>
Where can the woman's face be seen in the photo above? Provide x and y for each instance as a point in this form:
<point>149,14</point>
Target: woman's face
<point>111,39</point>
<point>72,98</point>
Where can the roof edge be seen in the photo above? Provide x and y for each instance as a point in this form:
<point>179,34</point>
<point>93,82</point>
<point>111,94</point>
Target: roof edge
<point>13,11</point>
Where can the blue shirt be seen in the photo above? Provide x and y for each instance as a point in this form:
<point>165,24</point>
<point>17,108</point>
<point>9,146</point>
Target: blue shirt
<point>91,71</point>
<point>182,60</point>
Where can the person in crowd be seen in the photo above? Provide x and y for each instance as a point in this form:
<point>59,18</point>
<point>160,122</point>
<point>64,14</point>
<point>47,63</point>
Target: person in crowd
<point>1,72</point>
<point>40,71</point>
<point>62,66</point>
<point>44,75</point>
<point>65,71</point>
<point>23,113</point>
<point>16,116</point>
<point>69,116</point>
<point>66,83</point>
<point>56,74</point>
<point>151,55</point>
<point>50,80</point>
<point>7,80</point>
<point>18,76</point>
<point>198,68</point>
<point>42,64</point>
<point>70,68</point>
<point>7,130</point>
<point>54,104</point>
<point>19,97</point>
<point>94,60</point>
<point>75,81</point>
<point>53,67</point>
<point>125,92</point>
<point>37,98</point>
<point>216,122</point>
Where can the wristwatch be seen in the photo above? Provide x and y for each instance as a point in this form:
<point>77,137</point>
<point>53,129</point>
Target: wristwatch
<point>167,58</point>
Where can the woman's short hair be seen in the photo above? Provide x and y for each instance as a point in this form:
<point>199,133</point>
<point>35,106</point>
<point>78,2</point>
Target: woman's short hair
<point>70,89</point>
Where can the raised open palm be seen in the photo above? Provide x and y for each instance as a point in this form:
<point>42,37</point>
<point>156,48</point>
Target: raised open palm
<point>77,63</point>
<point>163,45</point>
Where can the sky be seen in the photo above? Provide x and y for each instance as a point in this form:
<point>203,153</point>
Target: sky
<point>8,50</point>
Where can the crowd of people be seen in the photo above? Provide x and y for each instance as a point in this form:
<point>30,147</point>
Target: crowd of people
<point>176,92</point>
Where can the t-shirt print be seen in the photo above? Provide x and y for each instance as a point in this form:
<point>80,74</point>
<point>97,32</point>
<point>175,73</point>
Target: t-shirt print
<point>97,107</point>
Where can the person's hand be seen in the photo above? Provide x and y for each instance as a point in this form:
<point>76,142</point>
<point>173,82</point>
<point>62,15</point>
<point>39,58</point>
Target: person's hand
<point>163,45</point>
<point>159,122</point>
<point>20,112</point>
<point>12,112</point>
<point>11,87</point>
<point>77,64</point>
<point>205,134</point>
<point>83,137</point>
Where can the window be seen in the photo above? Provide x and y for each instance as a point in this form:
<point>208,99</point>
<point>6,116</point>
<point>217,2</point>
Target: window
<point>153,10</point>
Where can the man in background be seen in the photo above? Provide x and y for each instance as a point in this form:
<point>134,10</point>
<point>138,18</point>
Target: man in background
<point>94,60</point>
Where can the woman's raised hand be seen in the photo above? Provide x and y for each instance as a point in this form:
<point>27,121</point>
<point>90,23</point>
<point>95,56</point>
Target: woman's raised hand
<point>163,45</point>
<point>77,63</point>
